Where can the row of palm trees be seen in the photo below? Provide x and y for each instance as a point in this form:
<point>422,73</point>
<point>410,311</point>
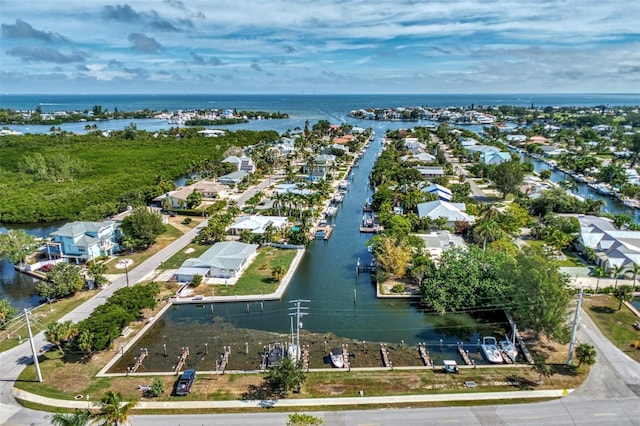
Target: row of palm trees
<point>113,412</point>
<point>617,271</point>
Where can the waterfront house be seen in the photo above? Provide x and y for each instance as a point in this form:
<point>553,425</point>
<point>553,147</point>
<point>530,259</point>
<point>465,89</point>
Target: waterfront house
<point>317,175</point>
<point>208,189</point>
<point>435,243</point>
<point>292,188</point>
<point>233,178</point>
<point>494,158</point>
<point>324,162</point>
<point>80,242</point>
<point>612,246</point>
<point>422,157</point>
<point>226,259</point>
<point>257,224</point>
<point>211,133</point>
<point>453,212</point>
<point>243,163</point>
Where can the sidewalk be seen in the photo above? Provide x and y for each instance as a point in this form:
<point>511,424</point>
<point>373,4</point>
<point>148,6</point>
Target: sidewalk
<point>315,402</point>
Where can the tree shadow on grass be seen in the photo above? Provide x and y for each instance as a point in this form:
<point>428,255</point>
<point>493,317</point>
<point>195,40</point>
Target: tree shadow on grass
<point>601,309</point>
<point>520,382</point>
<point>261,391</point>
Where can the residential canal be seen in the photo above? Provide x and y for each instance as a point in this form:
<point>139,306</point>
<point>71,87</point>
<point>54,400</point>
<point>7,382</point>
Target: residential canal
<point>342,307</point>
<point>611,205</point>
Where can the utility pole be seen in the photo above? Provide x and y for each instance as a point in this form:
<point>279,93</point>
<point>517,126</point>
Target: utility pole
<point>575,328</point>
<point>298,313</point>
<point>33,347</point>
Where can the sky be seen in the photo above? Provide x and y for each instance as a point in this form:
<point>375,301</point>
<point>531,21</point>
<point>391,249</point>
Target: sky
<point>327,46</point>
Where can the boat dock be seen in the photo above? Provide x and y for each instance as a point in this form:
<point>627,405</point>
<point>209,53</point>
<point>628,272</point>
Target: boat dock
<point>464,355</point>
<point>181,360</point>
<point>424,354</point>
<point>323,232</point>
<point>225,359</point>
<point>345,355</point>
<point>385,355</point>
<point>365,267</point>
<point>144,353</point>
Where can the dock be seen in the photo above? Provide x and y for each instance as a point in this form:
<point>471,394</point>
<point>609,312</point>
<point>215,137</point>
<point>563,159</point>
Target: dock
<point>424,354</point>
<point>144,353</point>
<point>225,359</point>
<point>181,360</point>
<point>366,267</point>
<point>385,355</point>
<point>323,232</point>
<point>345,356</point>
<point>464,355</point>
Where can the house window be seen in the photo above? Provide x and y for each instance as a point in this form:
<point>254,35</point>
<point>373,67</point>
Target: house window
<point>223,271</point>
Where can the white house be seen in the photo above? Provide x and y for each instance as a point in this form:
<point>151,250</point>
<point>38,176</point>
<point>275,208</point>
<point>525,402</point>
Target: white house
<point>495,157</point>
<point>233,178</point>
<point>257,224</point>
<point>226,259</point>
<point>453,212</point>
<point>243,163</point>
<point>430,171</point>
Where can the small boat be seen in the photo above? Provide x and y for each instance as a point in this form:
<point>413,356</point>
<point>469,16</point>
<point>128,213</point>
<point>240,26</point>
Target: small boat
<point>293,353</point>
<point>336,357</point>
<point>509,349</point>
<point>275,355</point>
<point>489,348</point>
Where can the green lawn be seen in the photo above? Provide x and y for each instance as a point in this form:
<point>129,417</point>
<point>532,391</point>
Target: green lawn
<point>257,278</point>
<point>170,234</point>
<point>178,259</point>
<point>616,325</point>
<point>40,319</point>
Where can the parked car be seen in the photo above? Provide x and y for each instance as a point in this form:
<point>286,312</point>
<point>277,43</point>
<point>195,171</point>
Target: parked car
<point>185,382</point>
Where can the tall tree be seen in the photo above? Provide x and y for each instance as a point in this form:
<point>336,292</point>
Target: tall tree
<point>635,270</point>
<point>96,272</point>
<point>62,280</point>
<point>285,376</point>
<point>113,410</point>
<point>599,272</point>
<point>16,245</point>
<point>507,177</point>
<point>141,228</point>
<point>541,293</point>
<point>623,294</point>
<point>617,270</point>
<point>7,312</point>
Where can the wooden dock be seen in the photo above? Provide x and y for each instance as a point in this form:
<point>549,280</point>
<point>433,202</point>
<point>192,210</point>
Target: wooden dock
<point>345,356</point>
<point>366,267</point>
<point>225,359</point>
<point>181,360</point>
<point>385,355</point>
<point>323,232</point>
<point>424,354</point>
<point>144,353</point>
<point>524,350</point>
<point>464,355</point>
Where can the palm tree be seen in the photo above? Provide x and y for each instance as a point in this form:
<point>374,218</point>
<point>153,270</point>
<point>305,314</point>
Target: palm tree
<point>623,294</point>
<point>114,411</point>
<point>96,272</point>
<point>487,230</point>
<point>599,272</point>
<point>586,353</point>
<point>278,271</point>
<point>617,270</point>
<point>635,270</point>
<point>77,418</point>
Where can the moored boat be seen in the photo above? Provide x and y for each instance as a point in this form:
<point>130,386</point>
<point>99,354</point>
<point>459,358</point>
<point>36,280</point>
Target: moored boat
<point>336,357</point>
<point>509,349</point>
<point>489,348</point>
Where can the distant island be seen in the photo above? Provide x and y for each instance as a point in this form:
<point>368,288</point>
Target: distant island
<point>198,117</point>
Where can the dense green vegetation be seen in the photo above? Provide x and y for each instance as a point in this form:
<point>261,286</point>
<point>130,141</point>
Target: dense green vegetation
<point>63,176</point>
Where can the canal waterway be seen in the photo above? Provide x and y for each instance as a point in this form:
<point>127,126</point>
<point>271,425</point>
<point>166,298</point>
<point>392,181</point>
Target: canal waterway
<point>611,204</point>
<point>340,305</point>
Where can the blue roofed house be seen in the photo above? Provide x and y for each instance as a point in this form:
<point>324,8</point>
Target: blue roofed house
<point>227,259</point>
<point>495,157</point>
<point>443,193</point>
<point>80,242</point>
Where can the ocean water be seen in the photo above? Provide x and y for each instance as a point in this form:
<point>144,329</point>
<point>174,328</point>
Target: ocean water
<point>303,105</point>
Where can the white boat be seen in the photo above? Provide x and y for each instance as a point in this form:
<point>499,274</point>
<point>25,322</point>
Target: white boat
<point>293,353</point>
<point>489,348</point>
<point>343,184</point>
<point>509,349</point>
<point>336,357</point>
